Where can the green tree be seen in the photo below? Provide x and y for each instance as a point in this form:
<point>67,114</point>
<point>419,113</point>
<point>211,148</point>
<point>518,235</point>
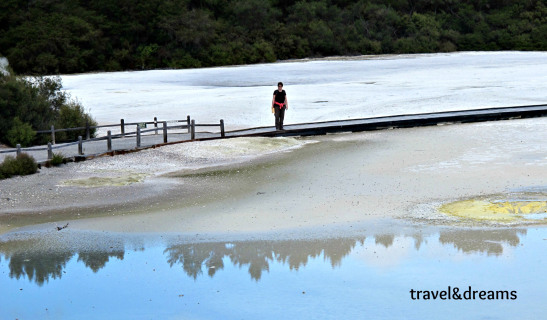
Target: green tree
<point>36,104</point>
<point>54,36</point>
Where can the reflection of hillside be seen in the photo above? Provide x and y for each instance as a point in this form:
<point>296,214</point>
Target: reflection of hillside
<point>39,264</point>
<point>489,241</point>
<point>257,255</point>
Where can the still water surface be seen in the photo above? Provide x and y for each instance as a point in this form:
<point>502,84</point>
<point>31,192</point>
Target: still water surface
<point>365,275</point>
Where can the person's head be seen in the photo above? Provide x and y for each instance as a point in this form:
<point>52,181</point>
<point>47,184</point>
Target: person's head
<point>280,85</point>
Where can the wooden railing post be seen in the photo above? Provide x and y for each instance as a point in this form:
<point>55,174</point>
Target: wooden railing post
<point>193,130</point>
<point>49,151</point>
<point>52,134</point>
<point>156,124</point>
<point>122,127</point>
<point>138,136</point>
<point>188,122</point>
<point>18,146</point>
<point>87,131</point>
<point>222,134</point>
<point>109,140</point>
<point>164,131</point>
<point>80,146</point>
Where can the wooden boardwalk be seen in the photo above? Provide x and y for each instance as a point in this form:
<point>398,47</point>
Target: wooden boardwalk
<point>398,121</point>
<point>128,144</point>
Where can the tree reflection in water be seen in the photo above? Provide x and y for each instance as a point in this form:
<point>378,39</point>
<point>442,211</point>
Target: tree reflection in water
<point>257,254</point>
<point>385,239</point>
<point>40,263</point>
<point>96,260</point>
<point>37,266</point>
<point>487,241</point>
<point>40,260</point>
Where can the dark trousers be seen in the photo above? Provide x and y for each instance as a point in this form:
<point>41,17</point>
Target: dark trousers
<point>279,116</point>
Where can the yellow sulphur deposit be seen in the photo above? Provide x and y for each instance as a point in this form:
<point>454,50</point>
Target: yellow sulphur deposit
<point>498,211</point>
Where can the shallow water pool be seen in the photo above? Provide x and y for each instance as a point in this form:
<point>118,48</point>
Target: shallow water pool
<point>366,275</point>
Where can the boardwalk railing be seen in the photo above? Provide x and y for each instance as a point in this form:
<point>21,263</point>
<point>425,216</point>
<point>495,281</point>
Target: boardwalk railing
<point>122,126</point>
<point>189,127</point>
<point>193,126</point>
<point>302,129</point>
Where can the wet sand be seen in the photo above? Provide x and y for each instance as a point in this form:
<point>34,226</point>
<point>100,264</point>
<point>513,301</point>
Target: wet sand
<point>248,186</point>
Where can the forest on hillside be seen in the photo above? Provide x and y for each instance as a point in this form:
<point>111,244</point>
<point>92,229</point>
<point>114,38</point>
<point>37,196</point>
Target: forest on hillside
<point>71,36</point>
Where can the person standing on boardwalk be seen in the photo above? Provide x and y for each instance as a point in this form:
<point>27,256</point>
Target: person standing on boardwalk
<point>279,105</point>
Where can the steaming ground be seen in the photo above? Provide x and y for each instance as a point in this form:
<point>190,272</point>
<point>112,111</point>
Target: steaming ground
<point>273,185</point>
<point>4,66</point>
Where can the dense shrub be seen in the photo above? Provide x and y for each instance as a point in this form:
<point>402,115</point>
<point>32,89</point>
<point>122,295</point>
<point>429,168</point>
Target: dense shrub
<point>23,164</point>
<point>21,99</point>
<point>72,115</point>
<point>32,104</point>
<point>20,133</point>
